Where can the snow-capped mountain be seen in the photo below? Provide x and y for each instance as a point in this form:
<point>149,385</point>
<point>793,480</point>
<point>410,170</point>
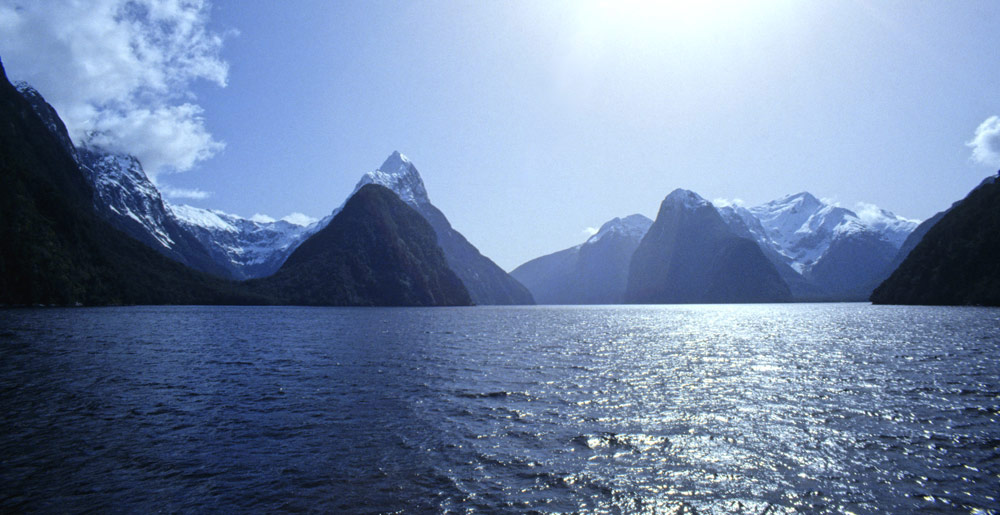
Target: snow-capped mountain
<point>842,253</point>
<point>123,189</point>
<point>399,175</point>
<point>593,272</point>
<point>246,248</point>
<point>487,283</point>
<point>124,195</point>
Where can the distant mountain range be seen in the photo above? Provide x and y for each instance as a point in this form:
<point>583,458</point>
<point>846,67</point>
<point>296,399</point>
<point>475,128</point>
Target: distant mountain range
<point>594,272</point>
<point>84,225</point>
<point>820,251</point>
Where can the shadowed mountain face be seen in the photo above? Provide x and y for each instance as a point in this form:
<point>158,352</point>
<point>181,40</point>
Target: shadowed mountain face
<point>124,195</point>
<point>955,263</point>
<point>486,282</point>
<point>594,272</point>
<point>54,249</point>
<point>689,255</point>
<point>376,251</point>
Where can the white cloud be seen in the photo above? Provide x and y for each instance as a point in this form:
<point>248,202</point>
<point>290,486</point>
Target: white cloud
<point>724,202</point>
<point>262,219</point>
<point>872,215</point>
<point>590,231</point>
<point>119,72</point>
<point>300,219</point>
<point>181,193</point>
<point>986,142</point>
<point>868,213</point>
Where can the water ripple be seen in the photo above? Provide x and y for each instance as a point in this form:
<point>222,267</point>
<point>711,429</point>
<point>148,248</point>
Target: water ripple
<point>673,409</point>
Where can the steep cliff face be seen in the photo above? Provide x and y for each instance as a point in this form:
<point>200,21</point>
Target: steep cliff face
<point>486,282</point>
<point>955,263</point>
<point>377,251</point>
<point>55,249</point>
<point>689,255</point>
<point>124,196</point>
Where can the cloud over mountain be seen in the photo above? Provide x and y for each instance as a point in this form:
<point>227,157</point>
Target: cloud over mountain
<point>119,72</point>
<point>986,142</point>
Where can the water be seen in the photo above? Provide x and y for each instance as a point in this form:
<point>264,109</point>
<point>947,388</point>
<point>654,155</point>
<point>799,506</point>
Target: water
<point>706,409</point>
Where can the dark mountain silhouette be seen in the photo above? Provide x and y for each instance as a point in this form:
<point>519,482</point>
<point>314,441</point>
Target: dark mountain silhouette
<point>124,195</point>
<point>956,262</point>
<point>54,249</point>
<point>377,251</point>
<point>689,255</point>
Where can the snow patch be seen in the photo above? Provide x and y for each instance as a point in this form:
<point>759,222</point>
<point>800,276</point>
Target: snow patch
<point>300,219</point>
<point>261,218</point>
<point>399,175</point>
<point>633,227</point>
<point>686,199</point>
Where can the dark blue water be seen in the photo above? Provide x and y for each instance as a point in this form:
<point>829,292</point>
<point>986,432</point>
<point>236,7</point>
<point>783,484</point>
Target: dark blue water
<point>713,409</point>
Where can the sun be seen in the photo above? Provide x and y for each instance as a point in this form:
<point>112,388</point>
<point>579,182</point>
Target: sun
<point>647,18</point>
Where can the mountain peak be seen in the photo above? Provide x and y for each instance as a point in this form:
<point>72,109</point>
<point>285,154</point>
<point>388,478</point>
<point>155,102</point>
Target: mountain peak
<point>803,199</point>
<point>685,198</point>
<point>399,175</point>
<point>632,226</point>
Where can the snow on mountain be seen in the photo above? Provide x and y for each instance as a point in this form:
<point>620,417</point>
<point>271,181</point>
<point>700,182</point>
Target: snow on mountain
<point>633,227</point>
<point>399,175</point>
<point>686,199</point>
<point>487,283</point>
<point>122,187</point>
<point>894,228</point>
<point>802,228</point>
<point>743,222</point>
<point>246,247</point>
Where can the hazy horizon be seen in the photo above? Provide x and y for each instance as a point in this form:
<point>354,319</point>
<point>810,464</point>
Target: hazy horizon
<point>529,122</point>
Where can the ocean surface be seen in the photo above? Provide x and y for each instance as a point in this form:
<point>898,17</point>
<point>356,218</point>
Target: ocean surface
<point>660,409</point>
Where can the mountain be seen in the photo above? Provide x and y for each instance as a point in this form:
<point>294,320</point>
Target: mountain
<point>376,251</point>
<point>238,248</point>
<point>914,238</point>
<point>743,223</point>
<point>955,263</point>
<point>244,248</point>
<point>124,195</point>
<point>822,251</point>
<point>55,249</point>
<point>594,272</point>
<point>486,282</point>
<point>689,255</point>
<point>918,234</point>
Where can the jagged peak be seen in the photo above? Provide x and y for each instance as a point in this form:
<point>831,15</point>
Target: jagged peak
<point>399,175</point>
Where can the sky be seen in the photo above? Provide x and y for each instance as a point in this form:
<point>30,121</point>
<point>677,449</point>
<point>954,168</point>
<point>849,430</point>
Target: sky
<point>530,122</point>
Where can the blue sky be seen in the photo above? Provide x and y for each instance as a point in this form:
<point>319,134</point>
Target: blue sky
<point>531,121</point>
